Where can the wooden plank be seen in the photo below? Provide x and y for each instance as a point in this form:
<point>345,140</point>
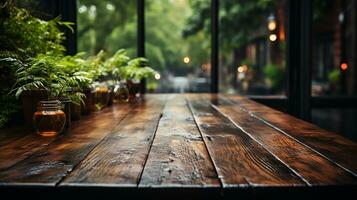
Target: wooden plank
<point>22,148</point>
<point>334,147</point>
<point>49,165</point>
<point>178,156</point>
<point>119,159</point>
<point>12,134</point>
<point>307,163</point>
<point>240,161</point>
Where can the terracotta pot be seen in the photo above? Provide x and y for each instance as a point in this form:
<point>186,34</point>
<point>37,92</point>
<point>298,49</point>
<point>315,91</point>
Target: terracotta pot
<point>134,90</point>
<point>30,100</point>
<point>111,97</point>
<point>88,105</point>
<point>66,103</point>
<point>75,112</point>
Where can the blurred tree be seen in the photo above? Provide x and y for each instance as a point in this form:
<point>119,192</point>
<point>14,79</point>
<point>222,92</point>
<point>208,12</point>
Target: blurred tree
<point>237,19</point>
<point>108,25</point>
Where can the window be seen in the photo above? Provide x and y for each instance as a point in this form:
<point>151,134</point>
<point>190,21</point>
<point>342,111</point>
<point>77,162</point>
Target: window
<point>334,74</point>
<point>333,43</point>
<point>177,44</point>
<point>252,47</point>
<point>108,25</point>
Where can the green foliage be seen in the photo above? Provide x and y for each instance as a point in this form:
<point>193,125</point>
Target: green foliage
<point>137,69</point>
<point>45,72</point>
<point>115,64</point>
<point>9,63</point>
<point>9,107</point>
<point>22,37</point>
<point>101,25</point>
<point>238,19</point>
<point>95,66</point>
<point>28,36</point>
<point>275,75</point>
<point>334,76</point>
<point>74,66</point>
<point>116,28</point>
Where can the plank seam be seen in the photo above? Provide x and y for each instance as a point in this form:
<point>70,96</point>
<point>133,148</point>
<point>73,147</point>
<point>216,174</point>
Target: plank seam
<point>293,138</point>
<point>204,142</point>
<point>95,146</point>
<point>244,131</point>
<point>152,142</point>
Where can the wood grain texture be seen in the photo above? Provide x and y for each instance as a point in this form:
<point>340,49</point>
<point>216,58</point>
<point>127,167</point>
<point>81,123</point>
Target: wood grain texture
<point>240,161</point>
<point>49,165</point>
<point>119,159</point>
<point>307,163</point>
<point>22,148</point>
<point>8,135</point>
<point>178,156</point>
<point>330,145</point>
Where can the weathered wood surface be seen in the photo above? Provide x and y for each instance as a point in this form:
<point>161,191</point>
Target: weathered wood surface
<point>120,157</point>
<point>240,161</point>
<point>330,145</point>
<point>290,152</point>
<point>178,156</point>
<point>51,164</point>
<point>180,145</point>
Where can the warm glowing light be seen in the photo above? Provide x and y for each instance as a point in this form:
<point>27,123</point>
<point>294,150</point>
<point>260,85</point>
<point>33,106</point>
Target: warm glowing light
<point>186,59</point>
<point>272,25</point>
<point>272,37</point>
<point>242,68</point>
<point>344,66</point>
<point>157,76</point>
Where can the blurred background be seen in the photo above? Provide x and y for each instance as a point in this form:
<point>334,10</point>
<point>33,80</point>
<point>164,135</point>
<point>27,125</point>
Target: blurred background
<point>252,48</point>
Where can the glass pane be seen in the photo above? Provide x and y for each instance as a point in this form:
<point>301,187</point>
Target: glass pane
<point>334,48</point>
<point>339,120</point>
<point>108,25</point>
<point>252,47</point>
<point>178,44</point>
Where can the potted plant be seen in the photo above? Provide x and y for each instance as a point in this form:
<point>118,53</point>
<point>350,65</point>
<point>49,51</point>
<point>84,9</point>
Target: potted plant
<point>73,66</point>
<point>95,66</point>
<point>45,73</point>
<point>114,66</point>
<point>23,36</point>
<point>137,69</point>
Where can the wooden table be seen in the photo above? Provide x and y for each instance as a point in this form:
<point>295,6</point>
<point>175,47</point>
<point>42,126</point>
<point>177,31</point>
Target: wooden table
<point>181,146</point>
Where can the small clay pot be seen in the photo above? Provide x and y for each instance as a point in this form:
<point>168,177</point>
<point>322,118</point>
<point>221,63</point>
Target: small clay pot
<point>89,102</point>
<point>30,100</point>
<point>134,90</point>
<point>75,112</point>
<point>66,103</point>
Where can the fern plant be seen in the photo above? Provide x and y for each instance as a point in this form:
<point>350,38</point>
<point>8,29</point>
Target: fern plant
<point>114,65</point>
<point>95,66</point>
<point>45,72</point>
<point>137,69</point>
<point>74,67</point>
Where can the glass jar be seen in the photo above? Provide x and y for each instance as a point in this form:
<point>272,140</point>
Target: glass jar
<point>134,89</point>
<point>49,119</point>
<point>102,96</point>
<point>121,92</point>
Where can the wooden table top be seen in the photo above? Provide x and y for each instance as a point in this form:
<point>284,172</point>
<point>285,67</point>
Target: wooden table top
<point>182,145</point>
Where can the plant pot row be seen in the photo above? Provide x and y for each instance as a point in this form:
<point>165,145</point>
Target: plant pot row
<point>93,101</point>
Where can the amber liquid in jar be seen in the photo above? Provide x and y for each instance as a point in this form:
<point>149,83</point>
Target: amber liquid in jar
<point>102,96</point>
<point>49,119</point>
